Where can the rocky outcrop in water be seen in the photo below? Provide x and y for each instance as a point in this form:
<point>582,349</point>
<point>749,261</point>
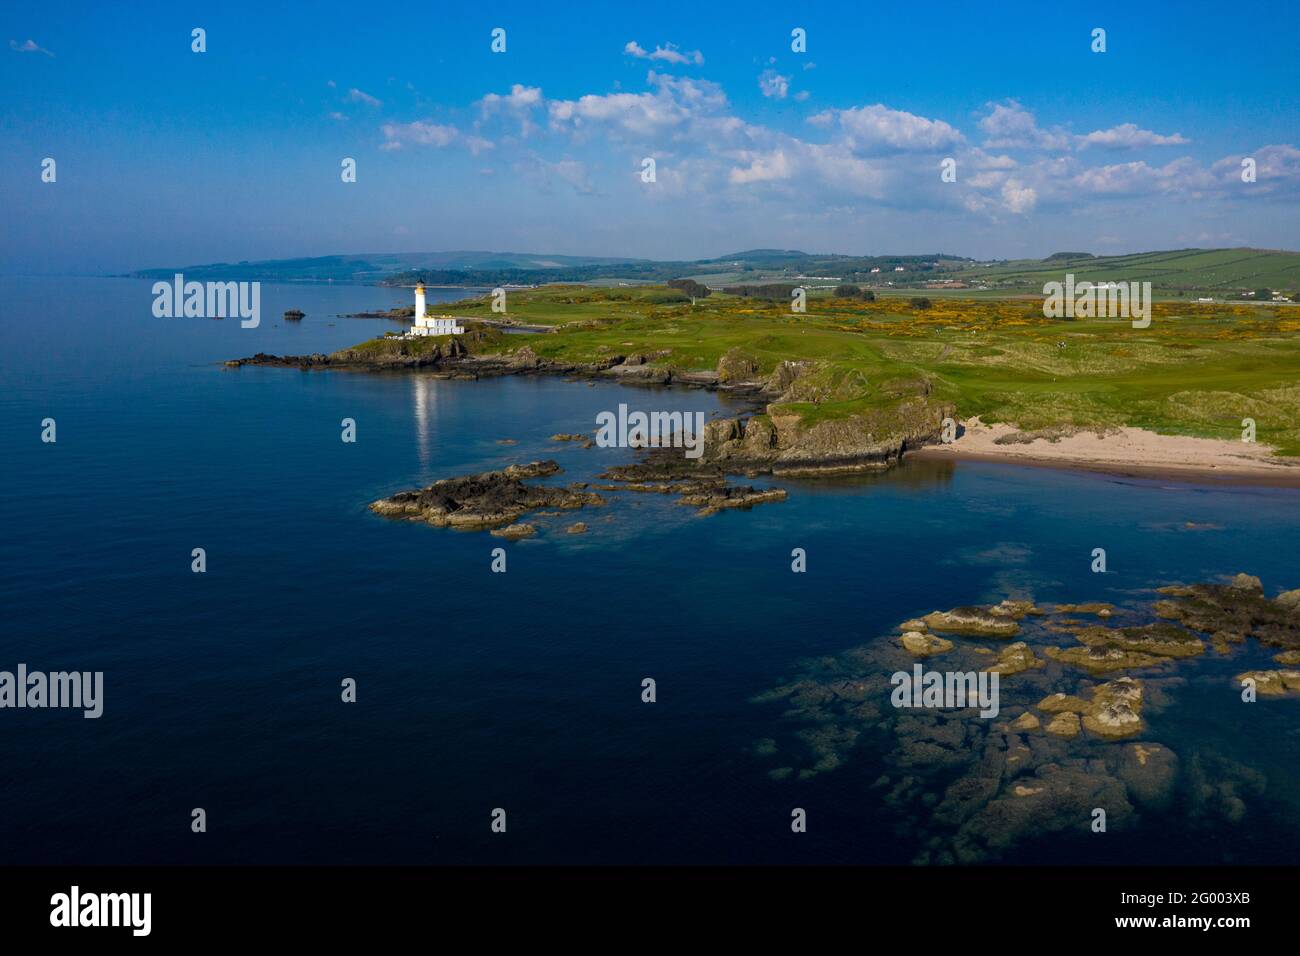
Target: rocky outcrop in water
<point>1273,683</point>
<point>487,500</point>
<point>970,789</point>
<point>701,485</point>
<point>1015,658</point>
<point>973,621</point>
<point>920,644</point>
<point>1239,608</point>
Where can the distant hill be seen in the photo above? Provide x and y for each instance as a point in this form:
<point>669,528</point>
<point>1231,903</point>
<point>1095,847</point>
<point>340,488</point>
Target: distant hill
<point>1175,272</point>
<point>467,268</point>
<point>375,267</point>
<point>1185,271</point>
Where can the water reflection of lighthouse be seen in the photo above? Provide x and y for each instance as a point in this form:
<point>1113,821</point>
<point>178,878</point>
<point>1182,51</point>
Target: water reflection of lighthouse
<point>423,396</point>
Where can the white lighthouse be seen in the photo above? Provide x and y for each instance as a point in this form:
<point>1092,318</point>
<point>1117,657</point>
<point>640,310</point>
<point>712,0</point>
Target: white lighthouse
<point>430,324</point>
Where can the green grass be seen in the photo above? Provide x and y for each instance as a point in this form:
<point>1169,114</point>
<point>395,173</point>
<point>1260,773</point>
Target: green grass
<point>1198,370</point>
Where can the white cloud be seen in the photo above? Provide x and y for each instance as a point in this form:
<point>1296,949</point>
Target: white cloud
<point>674,104</point>
<point>1132,179</point>
<point>1129,136</point>
<point>29,46</point>
<point>874,129</point>
<point>519,97</point>
<point>1277,169</point>
<point>774,85</point>
<point>1010,126</point>
<point>766,167</point>
<point>421,133</point>
<point>357,96</point>
<point>668,53</point>
<point>1017,197</point>
<point>518,103</point>
<point>873,155</point>
<point>982,160</point>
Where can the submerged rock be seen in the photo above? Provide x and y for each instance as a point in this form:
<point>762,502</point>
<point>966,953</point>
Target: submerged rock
<point>1098,608</point>
<point>1064,724</point>
<point>1055,799</point>
<point>1222,642</point>
<point>1026,721</point>
<point>1148,771</point>
<point>1062,703</point>
<point>968,788</point>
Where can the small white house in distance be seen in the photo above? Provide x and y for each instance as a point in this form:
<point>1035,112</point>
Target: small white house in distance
<point>898,268</point>
<point>875,268</point>
<point>432,324</point>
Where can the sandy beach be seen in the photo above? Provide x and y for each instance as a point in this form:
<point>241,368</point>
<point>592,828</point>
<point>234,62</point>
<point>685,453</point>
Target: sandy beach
<point>1126,451</point>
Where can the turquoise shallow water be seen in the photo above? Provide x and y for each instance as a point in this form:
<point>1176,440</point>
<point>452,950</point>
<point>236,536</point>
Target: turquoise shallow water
<point>519,690</point>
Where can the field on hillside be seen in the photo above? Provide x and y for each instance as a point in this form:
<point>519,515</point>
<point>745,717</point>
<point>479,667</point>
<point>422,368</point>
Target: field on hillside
<point>1197,370</point>
<point>1203,271</point>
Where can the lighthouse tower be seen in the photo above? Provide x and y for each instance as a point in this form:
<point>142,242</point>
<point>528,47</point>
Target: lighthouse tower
<point>419,301</point>
<point>432,325</point>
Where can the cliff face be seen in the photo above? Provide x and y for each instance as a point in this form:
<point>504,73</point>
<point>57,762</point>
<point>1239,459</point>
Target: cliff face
<point>794,436</point>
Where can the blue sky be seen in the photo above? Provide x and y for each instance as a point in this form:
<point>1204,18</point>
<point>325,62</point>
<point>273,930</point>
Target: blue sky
<point>168,157</point>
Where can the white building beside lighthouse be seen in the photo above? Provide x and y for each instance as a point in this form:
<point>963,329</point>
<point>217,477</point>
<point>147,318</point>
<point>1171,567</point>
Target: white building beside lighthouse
<point>432,324</point>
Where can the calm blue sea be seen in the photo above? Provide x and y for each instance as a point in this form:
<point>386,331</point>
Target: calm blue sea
<point>519,690</point>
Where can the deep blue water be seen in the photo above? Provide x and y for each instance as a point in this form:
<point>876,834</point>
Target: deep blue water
<point>480,690</point>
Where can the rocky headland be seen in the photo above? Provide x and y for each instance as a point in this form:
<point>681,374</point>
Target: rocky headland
<point>790,432</point>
